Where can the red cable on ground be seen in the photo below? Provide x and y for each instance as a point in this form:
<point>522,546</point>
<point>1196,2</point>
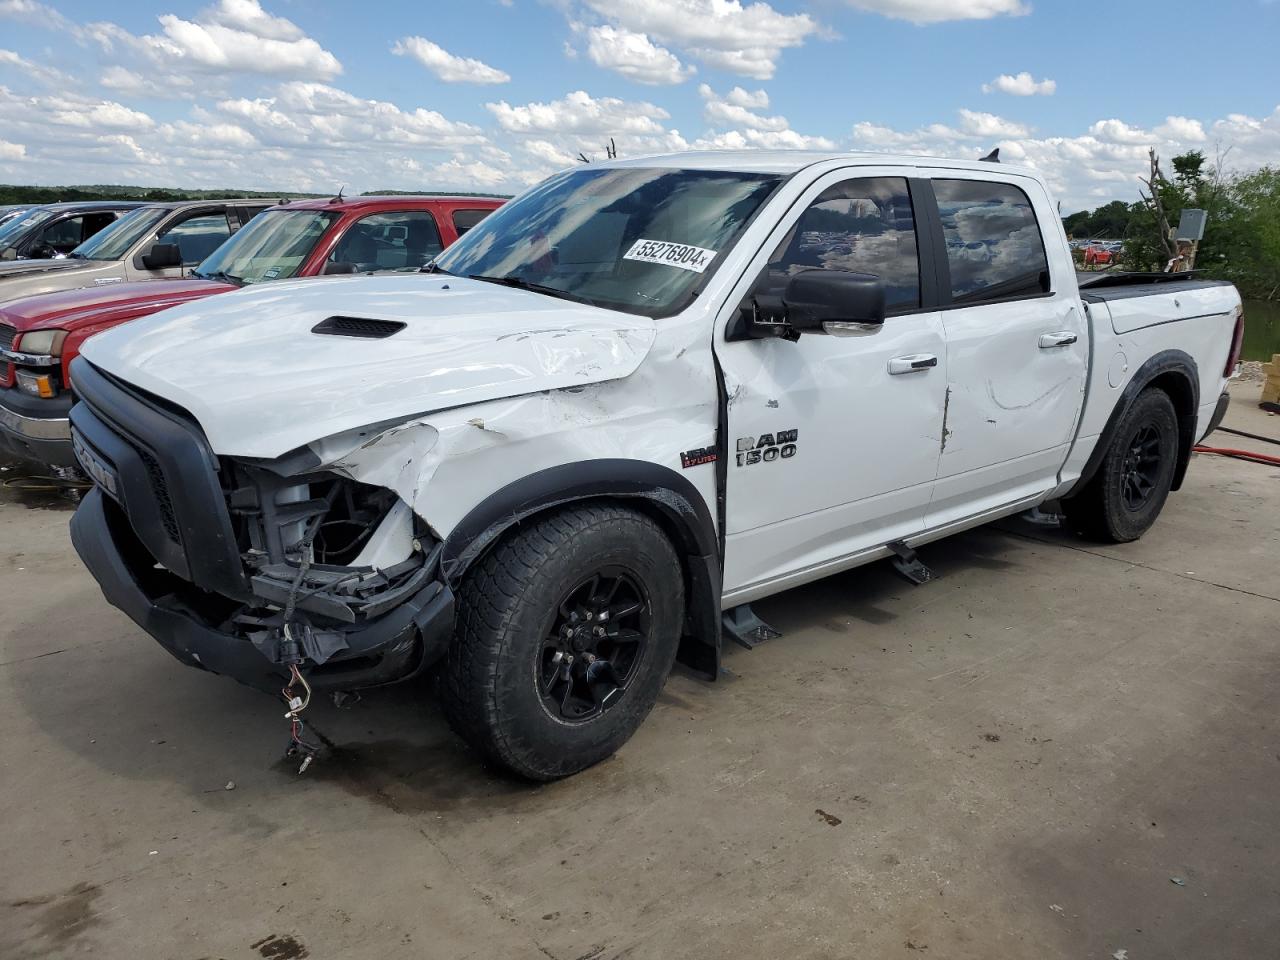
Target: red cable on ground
<point>1239,454</point>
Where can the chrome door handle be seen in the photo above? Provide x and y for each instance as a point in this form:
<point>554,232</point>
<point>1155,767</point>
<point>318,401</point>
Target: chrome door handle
<point>1063,338</point>
<point>915,363</point>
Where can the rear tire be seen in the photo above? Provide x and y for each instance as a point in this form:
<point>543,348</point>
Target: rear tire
<point>1122,500</point>
<point>566,632</point>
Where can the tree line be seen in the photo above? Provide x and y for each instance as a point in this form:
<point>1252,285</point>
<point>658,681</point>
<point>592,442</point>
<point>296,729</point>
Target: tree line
<point>1242,236</point>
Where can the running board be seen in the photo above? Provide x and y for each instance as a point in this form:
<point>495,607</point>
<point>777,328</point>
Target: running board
<point>743,627</point>
<point>909,565</point>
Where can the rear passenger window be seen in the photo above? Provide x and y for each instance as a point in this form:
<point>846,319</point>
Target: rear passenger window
<point>994,246</point>
<point>198,236</point>
<point>403,240</point>
<point>464,220</point>
<point>862,226</point>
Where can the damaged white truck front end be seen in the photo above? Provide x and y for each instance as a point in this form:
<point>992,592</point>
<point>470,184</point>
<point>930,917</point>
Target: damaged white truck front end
<point>641,391</point>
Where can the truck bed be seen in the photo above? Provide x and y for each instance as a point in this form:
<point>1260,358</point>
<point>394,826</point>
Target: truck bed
<point>1136,301</point>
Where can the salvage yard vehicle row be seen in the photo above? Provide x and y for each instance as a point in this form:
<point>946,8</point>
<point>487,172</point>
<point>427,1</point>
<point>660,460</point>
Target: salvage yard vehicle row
<point>41,335</point>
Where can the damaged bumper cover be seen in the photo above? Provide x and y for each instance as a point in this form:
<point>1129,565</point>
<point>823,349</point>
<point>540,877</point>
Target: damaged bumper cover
<point>394,647</point>
<point>206,556</point>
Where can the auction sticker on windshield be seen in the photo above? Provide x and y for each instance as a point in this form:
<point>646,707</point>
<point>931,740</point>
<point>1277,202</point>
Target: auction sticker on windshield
<point>679,255</point>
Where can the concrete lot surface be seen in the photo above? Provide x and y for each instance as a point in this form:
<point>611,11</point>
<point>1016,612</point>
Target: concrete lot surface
<point>1014,761</point>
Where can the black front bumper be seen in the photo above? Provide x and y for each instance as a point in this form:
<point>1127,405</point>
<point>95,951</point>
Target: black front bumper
<point>32,428</point>
<point>394,647</point>
<point>156,533</point>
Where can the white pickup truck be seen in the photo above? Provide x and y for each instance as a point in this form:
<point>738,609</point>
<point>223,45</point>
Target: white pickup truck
<point>623,407</point>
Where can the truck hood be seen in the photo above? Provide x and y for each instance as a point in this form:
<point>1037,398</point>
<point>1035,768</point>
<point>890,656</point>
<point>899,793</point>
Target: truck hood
<point>89,306</point>
<point>13,268</point>
<point>26,278</point>
<point>252,371</point>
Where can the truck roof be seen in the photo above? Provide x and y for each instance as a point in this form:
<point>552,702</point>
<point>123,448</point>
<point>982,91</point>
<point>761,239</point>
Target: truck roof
<point>391,200</point>
<point>87,205</point>
<point>791,161</point>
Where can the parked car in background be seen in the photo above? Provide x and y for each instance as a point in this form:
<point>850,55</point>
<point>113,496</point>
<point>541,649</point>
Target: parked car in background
<point>41,335</point>
<point>150,242</point>
<point>55,229</point>
<point>643,393</point>
<point>1098,254</point>
<point>11,211</point>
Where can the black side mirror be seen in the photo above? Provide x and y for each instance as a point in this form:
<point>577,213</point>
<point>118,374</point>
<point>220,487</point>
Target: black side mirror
<point>162,256</point>
<point>833,301</point>
<point>339,267</point>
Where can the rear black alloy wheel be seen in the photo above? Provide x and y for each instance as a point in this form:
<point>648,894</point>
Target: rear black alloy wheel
<point>1140,471</point>
<point>566,631</point>
<point>1129,489</point>
<point>596,644</point>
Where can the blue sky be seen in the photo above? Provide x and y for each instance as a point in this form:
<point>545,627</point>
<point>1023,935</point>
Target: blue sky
<point>495,94</point>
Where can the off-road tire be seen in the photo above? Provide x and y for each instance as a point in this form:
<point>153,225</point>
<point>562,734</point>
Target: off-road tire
<point>1100,511</point>
<point>490,689</point>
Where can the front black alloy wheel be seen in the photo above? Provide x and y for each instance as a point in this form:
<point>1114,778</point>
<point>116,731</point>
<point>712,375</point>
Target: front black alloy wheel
<point>595,645</point>
<point>566,631</point>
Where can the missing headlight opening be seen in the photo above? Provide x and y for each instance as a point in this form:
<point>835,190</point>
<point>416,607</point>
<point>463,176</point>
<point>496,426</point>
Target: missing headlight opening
<point>322,547</point>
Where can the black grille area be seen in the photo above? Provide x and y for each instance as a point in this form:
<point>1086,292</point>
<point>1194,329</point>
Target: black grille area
<point>7,334</point>
<point>165,479</point>
<point>362,328</point>
<point>160,487</point>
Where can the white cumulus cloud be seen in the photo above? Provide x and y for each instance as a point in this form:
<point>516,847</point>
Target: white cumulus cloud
<point>1184,129</point>
<point>445,65</point>
<point>747,39</point>
<point>1021,85</point>
<point>937,11</point>
<point>1117,131</point>
<point>635,56</point>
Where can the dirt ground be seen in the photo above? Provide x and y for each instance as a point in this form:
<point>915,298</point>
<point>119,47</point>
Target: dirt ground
<point>1055,750</point>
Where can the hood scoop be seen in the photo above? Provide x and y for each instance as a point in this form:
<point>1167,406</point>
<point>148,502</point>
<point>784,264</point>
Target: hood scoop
<point>362,328</point>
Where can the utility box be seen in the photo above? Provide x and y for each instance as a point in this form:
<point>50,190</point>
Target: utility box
<point>1191,226</point>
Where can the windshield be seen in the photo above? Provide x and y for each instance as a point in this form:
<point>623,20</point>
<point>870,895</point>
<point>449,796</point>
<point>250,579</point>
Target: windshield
<point>113,242</point>
<point>273,246</point>
<point>16,229</point>
<point>632,239</point>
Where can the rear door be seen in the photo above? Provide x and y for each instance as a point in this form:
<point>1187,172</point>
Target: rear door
<point>833,440</point>
<point>1017,344</point>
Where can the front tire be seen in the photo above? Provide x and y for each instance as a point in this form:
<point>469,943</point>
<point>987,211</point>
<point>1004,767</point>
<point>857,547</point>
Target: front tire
<point>1122,500</point>
<point>567,630</point>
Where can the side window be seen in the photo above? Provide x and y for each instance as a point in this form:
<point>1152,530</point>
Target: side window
<point>403,240</point>
<point>464,220</point>
<point>862,226</point>
<point>65,235</point>
<point>197,236</point>
<point>994,246</point>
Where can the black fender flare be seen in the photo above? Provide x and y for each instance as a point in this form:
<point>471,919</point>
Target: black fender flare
<point>1174,369</point>
<point>661,493</point>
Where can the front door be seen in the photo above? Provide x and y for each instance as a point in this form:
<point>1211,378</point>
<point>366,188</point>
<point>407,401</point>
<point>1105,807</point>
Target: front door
<point>1017,347</point>
<point>833,440</point>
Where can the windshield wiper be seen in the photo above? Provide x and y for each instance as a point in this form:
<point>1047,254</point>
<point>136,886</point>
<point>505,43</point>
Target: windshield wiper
<point>219,275</point>
<point>520,283</point>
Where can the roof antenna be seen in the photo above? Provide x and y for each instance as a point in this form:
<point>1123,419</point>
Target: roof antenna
<point>992,157</point>
<point>338,198</point>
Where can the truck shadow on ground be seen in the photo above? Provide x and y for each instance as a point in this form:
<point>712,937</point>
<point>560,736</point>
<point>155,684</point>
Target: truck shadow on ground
<point>138,714</point>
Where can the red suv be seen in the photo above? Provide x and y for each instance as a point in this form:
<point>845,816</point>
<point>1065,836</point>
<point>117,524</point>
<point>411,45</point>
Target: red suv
<point>39,336</point>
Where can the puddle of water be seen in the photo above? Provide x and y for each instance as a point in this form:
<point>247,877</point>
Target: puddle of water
<point>25,484</point>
